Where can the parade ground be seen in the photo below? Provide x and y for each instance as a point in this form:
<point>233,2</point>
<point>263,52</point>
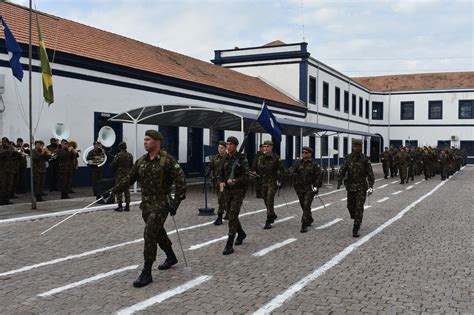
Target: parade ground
<point>415,255</point>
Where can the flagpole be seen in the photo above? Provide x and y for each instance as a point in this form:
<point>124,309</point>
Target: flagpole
<point>30,55</point>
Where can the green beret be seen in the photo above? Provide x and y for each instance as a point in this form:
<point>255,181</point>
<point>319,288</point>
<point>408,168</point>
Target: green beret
<point>308,149</point>
<point>223,143</point>
<point>233,140</point>
<point>154,134</point>
<point>268,142</point>
<point>356,142</point>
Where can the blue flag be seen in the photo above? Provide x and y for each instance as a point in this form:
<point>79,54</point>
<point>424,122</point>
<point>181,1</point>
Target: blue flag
<point>14,51</point>
<point>269,123</point>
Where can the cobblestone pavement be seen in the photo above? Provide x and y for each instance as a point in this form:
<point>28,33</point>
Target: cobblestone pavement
<point>415,255</point>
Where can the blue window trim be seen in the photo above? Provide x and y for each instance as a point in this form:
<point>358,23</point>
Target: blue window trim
<point>312,85</point>
<point>407,104</point>
<point>346,101</point>
<point>379,115</point>
<point>466,103</point>
<point>337,99</point>
<point>434,103</point>
<point>304,81</point>
<point>354,105</point>
<point>325,94</point>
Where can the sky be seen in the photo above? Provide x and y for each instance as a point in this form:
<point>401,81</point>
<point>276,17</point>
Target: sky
<point>356,37</point>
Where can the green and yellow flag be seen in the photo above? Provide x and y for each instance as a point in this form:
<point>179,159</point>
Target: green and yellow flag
<point>47,75</point>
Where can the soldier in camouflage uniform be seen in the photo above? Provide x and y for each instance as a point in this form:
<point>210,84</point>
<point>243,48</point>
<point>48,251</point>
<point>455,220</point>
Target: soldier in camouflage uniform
<point>443,160</point>
<point>39,157</point>
<point>386,162</point>
<point>258,183</point>
<point>11,158</point>
<point>270,171</point>
<point>5,153</point>
<point>402,161</point>
<point>411,163</point>
<point>308,179</point>
<point>65,157</point>
<point>426,159</point>
<point>156,171</point>
<point>393,161</point>
<point>214,167</point>
<point>94,157</point>
<point>233,182</point>
<point>359,182</point>
<point>122,163</point>
<point>24,148</point>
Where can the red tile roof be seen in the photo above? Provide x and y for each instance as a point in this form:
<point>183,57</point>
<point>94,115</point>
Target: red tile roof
<point>82,40</point>
<point>274,43</point>
<point>419,81</point>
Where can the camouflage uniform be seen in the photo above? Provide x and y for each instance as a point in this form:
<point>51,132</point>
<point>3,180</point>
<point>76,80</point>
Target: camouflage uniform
<point>386,162</point>
<point>307,174</point>
<point>17,160</point>
<point>258,183</point>
<point>156,178</point>
<point>411,164</point>
<point>53,168</point>
<point>427,166</point>
<point>393,162</point>
<point>96,171</point>
<point>4,156</point>
<point>214,164</point>
<point>122,163</point>
<point>39,170</point>
<point>65,165</point>
<point>270,170</point>
<point>234,195</point>
<point>402,160</point>
<point>443,160</point>
<point>359,178</point>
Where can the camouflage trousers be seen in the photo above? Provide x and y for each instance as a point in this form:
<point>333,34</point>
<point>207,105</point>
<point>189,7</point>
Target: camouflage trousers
<point>393,170</point>
<point>233,199</point>
<point>411,170</point>
<point>220,202</point>
<point>38,180</point>
<point>9,184</point>
<point>3,187</point>
<point>268,194</point>
<point>386,168</point>
<point>258,188</point>
<point>96,174</point>
<point>355,205</point>
<point>427,170</point>
<point>126,192</point>
<point>306,198</point>
<point>403,169</point>
<point>154,232</point>
<point>65,181</point>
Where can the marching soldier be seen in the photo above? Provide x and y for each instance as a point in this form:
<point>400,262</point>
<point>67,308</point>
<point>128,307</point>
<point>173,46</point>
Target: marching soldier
<point>426,158</point>
<point>270,171</point>
<point>258,183</point>
<point>94,158</point>
<point>122,163</point>
<point>402,161</point>
<point>39,158</point>
<point>214,165</point>
<point>308,179</point>
<point>233,182</point>
<point>156,171</point>
<point>386,162</point>
<point>65,157</point>
<point>359,182</point>
<point>53,165</point>
<point>393,161</point>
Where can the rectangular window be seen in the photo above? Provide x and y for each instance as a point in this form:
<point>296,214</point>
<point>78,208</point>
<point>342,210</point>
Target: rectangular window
<point>396,143</point>
<point>367,109</point>
<point>467,145</point>
<point>346,101</point>
<point>435,109</point>
<point>312,90</point>
<point>324,145</point>
<point>377,110</point>
<point>361,106</point>
<point>411,143</point>
<point>354,104</point>
<point>466,109</point>
<point>345,143</point>
<point>325,94</point>
<point>407,110</point>
<point>444,143</point>
<point>337,99</point>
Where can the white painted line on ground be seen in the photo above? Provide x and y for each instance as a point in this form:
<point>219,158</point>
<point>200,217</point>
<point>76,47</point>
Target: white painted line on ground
<point>164,296</point>
<point>383,186</point>
<point>409,187</point>
<point>82,282</point>
<point>328,224</point>
<point>295,288</point>
<point>265,251</point>
<point>397,192</point>
<point>201,245</point>
<point>320,207</point>
<point>284,219</point>
<point>418,182</point>
<point>383,199</point>
<point>394,182</point>
<point>344,199</point>
<point>379,179</point>
<point>367,207</point>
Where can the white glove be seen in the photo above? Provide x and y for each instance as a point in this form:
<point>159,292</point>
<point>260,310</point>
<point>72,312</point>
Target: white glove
<point>315,189</point>
<point>278,184</point>
<point>370,191</point>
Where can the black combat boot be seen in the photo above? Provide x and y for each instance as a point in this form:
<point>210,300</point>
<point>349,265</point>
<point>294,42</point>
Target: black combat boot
<point>304,228</point>
<point>229,247</point>
<point>267,225</point>
<point>119,208</point>
<point>169,261</point>
<point>241,235</point>
<point>272,218</point>
<point>219,219</point>
<point>311,220</point>
<point>355,230</point>
<point>127,207</point>
<point>145,277</point>
<point>39,198</point>
<point>226,216</point>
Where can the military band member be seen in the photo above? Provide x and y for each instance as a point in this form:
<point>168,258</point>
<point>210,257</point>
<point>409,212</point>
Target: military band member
<point>156,171</point>
<point>94,158</point>
<point>65,157</point>
<point>24,150</point>
<point>52,173</point>
<point>122,163</point>
<point>39,157</point>
<point>308,179</point>
<point>214,165</point>
<point>5,153</point>
<point>233,182</point>
<point>359,182</point>
<point>270,171</point>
